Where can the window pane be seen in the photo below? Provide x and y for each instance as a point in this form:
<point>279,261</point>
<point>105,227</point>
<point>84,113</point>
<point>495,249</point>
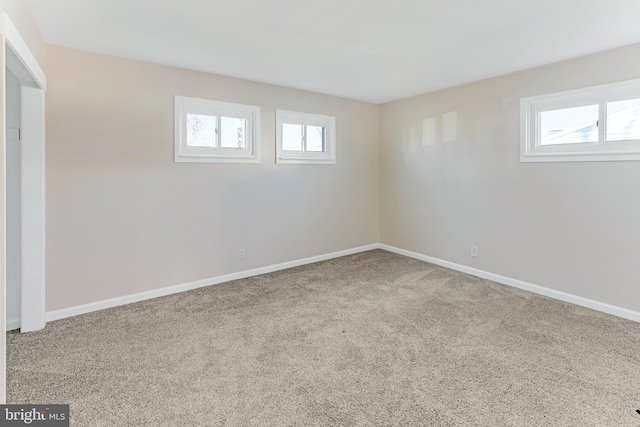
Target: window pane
<point>201,130</point>
<point>291,137</point>
<point>233,132</point>
<point>315,138</point>
<point>623,120</point>
<point>569,125</point>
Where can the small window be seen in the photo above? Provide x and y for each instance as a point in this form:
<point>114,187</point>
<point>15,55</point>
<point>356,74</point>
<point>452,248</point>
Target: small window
<point>305,138</point>
<point>213,131</point>
<point>592,124</point>
<point>623,120</point>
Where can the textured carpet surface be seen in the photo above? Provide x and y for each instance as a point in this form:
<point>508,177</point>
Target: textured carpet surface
<point>373,339</point>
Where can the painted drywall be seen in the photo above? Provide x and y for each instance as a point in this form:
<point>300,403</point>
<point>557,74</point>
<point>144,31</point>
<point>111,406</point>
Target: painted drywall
<point>20,15</point>
<point>13,218</point>
<point>122,217</point>
<point>571,227</point>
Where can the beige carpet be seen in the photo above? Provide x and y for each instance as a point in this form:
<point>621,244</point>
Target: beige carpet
<point>373,339</point>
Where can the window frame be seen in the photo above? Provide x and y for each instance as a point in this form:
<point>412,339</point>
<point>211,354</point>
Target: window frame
<point>184,153</point>
<point>327,157</point>
<point>531,108</point>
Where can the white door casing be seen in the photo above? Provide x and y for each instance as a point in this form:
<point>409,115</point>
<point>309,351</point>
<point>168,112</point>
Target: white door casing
<point>32,312</point>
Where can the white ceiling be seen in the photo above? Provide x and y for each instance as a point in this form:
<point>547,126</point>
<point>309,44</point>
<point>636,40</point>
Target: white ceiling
<point>370,50</point>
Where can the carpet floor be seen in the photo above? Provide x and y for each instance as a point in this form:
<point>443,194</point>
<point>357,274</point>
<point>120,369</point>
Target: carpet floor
<point>372,339</point>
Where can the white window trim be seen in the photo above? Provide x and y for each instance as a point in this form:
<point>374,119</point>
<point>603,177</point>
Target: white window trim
<point>183,153</point>
<point>530,107</point>
<point>288,157</point>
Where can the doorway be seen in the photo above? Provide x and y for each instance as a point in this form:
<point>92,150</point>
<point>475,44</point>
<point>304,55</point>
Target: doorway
<point>24,236</point>
<point>22,205</point>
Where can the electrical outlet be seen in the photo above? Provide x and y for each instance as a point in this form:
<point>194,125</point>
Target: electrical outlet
<point>474,251</point>
<point>241,253</point>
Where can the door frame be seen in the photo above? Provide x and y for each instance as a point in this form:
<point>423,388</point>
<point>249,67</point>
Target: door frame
<point>17,57</point>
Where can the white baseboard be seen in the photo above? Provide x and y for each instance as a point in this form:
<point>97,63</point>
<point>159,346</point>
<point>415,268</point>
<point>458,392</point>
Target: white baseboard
<point>559,295</point>
<point>142,296</point>
<point>13,324</point>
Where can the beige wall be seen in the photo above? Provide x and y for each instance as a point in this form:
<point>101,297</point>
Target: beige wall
<point>21,16</point>
<point>122,217</point>
<point>573,227</point>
